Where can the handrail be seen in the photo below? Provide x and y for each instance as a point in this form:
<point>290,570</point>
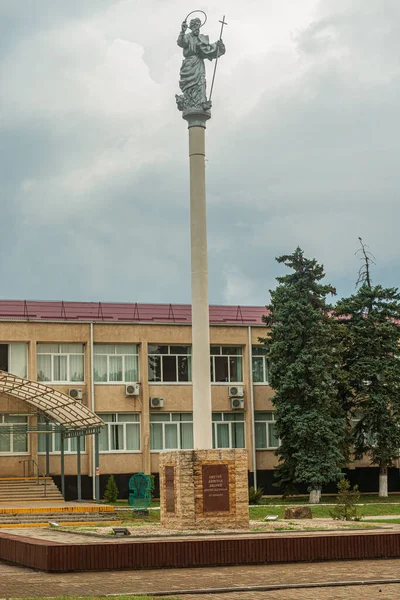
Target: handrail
<point>29,462</point>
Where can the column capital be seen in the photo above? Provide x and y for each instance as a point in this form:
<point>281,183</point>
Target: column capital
<point>196,117</point>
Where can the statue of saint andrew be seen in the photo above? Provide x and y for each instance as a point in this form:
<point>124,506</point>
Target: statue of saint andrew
<point>196,48</point>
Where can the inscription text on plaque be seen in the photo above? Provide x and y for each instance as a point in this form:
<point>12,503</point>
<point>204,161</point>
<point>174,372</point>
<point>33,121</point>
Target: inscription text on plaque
<point>215,488</point>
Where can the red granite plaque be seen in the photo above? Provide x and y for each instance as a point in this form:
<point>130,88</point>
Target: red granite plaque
<point>170,489</point>
<point>215,488</point>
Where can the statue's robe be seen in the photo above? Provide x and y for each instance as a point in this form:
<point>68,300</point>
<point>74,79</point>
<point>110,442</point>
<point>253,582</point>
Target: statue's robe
<point>193,74</point>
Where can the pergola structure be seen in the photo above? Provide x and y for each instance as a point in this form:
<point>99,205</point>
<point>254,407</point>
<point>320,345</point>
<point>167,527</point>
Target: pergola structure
<point>61,414</point>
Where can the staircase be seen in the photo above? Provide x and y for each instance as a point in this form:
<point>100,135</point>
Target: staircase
<point>28,489</point>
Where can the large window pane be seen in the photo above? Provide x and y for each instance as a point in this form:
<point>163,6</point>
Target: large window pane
<point>131,368</point>
<point>5,442</point>
<point>20,442</point>
<point>184,370</point>
<point>60,368</point>
<point>258,369</point>
<point>235,369</point>
<point>154,368</point>
<point>261,435</point>
<point>237,435</point>
<point>222,435</point>
<point>171,436</point>
<point>132,436</point>
<point>18,359</point>
<point>115,367</point>
<point>273,439</point>
<point>221,368</point>
<point>44,367</point>
<point>156,436</point>
<point>187,436</point>
<point>103,438</point>
<point>117,437</point>
<point>169,368</point>
<point>100,368</point>
<point>76,367</point>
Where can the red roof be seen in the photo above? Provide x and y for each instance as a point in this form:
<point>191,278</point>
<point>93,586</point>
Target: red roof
<point>31,310</point>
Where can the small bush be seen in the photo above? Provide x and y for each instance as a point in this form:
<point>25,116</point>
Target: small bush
<point>111,494</point>
<point>346,501</point>
<point>255,495</point>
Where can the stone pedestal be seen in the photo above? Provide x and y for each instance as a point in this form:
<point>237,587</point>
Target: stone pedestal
<point>204,489</point>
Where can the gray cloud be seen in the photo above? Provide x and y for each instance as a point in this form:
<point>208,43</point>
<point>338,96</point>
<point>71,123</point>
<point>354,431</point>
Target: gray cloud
<point>302,148</point>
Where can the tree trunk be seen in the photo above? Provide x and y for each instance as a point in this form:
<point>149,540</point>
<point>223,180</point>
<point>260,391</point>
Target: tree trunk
<point>315,496</point>
<point>383,481</point>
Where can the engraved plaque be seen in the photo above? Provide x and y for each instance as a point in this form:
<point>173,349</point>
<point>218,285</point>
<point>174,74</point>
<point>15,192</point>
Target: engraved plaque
<point>215,488</point>
<point>170,489</point>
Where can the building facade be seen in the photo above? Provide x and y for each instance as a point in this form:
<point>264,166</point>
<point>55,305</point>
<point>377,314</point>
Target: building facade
<point>131,364</point>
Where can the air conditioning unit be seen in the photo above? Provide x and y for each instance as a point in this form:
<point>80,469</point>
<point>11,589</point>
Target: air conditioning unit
<point>156,402</point>
<point>132,389</point>
<point>237,403</point>
<point>76,393</point>
<point>236,391</point>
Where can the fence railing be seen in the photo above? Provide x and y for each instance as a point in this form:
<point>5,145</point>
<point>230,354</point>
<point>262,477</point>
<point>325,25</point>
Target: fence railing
<point>30,466</point>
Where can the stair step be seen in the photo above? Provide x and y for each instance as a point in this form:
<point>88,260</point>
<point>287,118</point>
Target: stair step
<point>28,489</point>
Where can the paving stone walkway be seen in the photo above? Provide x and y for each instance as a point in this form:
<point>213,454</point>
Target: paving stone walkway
<point>21,582</point>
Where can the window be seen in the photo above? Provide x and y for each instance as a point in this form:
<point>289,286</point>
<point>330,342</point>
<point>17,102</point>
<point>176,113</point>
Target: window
<point>261,364</point>
<point>170,364</point>
<point>226,364</point>
<point>70,444</point>
<point>60,363</point>
<point>14,358</point>
<point>121,433</point>
<point>116,363</point>
<point>265,430</point>
<point>13,442</point>
<point>171,431</point>
<point>228,430</point>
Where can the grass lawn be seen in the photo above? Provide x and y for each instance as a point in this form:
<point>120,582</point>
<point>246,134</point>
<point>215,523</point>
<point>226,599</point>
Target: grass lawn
<point>257,513</point>
<point>102,598</point>
<point>297,500</point>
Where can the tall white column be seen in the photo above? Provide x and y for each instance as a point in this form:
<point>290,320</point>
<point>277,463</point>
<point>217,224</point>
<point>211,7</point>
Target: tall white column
<point>202,425</point>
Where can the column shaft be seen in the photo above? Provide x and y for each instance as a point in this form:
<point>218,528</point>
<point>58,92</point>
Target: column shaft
<point>200,316</point>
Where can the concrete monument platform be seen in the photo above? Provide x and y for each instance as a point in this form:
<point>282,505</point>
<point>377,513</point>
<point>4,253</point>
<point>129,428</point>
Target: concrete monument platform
<point>204,489</point>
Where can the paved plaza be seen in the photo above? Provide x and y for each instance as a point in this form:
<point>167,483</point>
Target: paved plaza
<point>17,582</point>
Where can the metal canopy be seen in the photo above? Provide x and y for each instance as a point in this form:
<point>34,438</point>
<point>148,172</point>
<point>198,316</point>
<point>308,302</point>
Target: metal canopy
<point>73,417</point>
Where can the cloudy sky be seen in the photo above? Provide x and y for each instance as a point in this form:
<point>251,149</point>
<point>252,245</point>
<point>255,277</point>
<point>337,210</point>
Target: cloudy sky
<point>302,148</point>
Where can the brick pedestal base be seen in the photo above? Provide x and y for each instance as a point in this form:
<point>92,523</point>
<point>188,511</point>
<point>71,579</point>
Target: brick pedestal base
<point>204,489</point>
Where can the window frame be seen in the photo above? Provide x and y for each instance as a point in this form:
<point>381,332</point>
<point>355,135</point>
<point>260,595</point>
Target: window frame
<point>110,424</point>
<point>228,357</point>
<point>169,422</point>
<point>169,346</point>
<point>266,360</point>
<point>228,422</point>
<point>9,357</point>
<point>123,382</point>
<point>57,354</point>
<point>11,436</point>
<point>266,422</point>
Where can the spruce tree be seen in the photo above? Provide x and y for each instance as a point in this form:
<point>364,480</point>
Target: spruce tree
<point>371,317</point>
<point>305,347</point>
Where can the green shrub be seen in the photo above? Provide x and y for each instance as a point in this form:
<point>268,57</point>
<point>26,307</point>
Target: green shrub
<point>346,508</point>
<point>111,494</point>
<point>255,495</point>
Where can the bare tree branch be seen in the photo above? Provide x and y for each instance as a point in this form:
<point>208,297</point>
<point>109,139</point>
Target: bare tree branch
<point>367,258</point>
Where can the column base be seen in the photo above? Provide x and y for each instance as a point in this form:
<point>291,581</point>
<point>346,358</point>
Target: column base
<point>204,489</point>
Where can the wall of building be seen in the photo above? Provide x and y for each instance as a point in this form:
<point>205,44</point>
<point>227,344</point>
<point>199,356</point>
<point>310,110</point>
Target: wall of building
<point>111,397</point>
